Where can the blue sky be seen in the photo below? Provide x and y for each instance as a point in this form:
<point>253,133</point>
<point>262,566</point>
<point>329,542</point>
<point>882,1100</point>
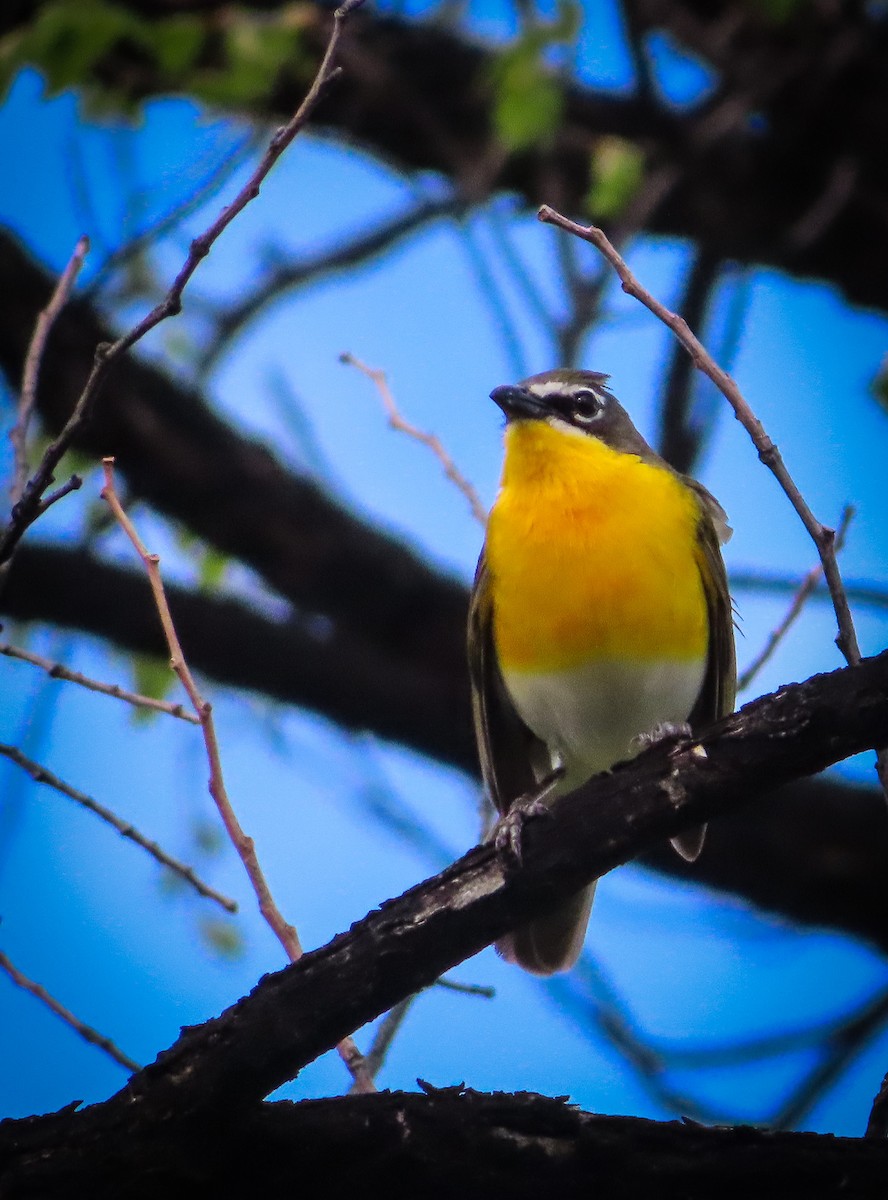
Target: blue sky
<point>89,917</point>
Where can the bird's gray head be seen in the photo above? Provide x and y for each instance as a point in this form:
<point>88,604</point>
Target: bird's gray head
<point>577,401</point>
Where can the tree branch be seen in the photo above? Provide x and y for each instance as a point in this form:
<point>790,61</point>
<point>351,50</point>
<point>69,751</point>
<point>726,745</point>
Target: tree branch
<point>407,943</point>
<point>407,1145</point>
<point>215,1072</point>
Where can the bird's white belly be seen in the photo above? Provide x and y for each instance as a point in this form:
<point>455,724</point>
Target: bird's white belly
<point>589,716</point>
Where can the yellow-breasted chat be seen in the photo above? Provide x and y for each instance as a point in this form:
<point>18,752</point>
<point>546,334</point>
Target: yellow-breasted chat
<point>600,614</point>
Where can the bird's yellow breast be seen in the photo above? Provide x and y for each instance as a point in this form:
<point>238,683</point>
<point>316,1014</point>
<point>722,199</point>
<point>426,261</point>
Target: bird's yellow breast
<point>593,554</point>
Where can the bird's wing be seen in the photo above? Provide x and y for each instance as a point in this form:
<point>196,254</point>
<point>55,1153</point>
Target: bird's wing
<point>506,747</point>
<point>716,698</point>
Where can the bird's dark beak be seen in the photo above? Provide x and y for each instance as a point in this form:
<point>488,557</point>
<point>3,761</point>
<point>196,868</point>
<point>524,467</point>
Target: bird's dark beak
<point>517,402</point>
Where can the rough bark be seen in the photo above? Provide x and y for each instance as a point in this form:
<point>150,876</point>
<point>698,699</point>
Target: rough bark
<point>445,1145</point>
<point>201,1092</point>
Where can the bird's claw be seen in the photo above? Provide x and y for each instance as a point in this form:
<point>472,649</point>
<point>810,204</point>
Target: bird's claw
<point>509,830</point>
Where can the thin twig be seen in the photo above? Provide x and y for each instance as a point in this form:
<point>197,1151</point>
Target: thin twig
<point>681,437</point>
<point>591,1000</point>
<point>26,510</point>
<point>846,1043</point>
<point>805,590</point>
<point>243,844</point>
<point>822,536</point>
<point>19,434</point>
<point>40,774</point>
<point>430,440</point>
<point>385,1035</point>
<point>466,989</point>
<point>59,671</point>
<point>74,484</point>
<point>85,1031</point>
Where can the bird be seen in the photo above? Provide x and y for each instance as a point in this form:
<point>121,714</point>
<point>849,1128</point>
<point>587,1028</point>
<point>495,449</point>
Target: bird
<point>600,617</point>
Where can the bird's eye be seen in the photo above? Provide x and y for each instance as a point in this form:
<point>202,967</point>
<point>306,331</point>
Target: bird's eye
<point>587,405</point>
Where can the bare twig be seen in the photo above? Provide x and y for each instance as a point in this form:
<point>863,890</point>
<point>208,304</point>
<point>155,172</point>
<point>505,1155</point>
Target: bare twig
<point>58,670</point>
<point>27,509</point>
<point>430,440</point>
<point>822,536</point>
<point>805,590</point>
<point>394,1019</point>
<point>466,989</point>
<point>85,1031</point>
<point>385,1035</point>
<point>19,434</point>
<point>589,998</point>
<point>40,774</point>
<point>838,1051</point>
<point>74,484</point>
<point>244,845</point>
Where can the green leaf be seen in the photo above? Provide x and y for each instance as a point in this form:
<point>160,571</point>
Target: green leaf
<point>256,50</point>
<point>210,563</point>
<point>223,937</point>
<point>67,38</point>
<point>152,677</point>
<point>176,43</point>
<point>529,102</point>
<point>528,96</point>
<point>213,565</point>
<point>617,170</point>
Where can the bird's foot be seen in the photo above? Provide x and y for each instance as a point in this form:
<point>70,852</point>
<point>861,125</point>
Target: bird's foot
<point>508,832</point>
<point>665,731</point>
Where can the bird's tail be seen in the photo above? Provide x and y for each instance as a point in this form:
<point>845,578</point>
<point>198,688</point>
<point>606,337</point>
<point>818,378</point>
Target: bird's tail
<point>551,943</point>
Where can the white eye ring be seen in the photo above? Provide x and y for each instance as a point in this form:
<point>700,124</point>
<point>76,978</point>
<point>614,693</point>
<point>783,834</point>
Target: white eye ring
<point>587,406</point>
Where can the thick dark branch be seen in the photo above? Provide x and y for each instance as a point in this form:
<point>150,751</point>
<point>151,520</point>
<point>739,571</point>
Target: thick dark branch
<point>815,854</point>
<point>296,1014</point>
<point>232,1062</point>
<point>804,188</point>
<point>328,668</point>
<point>407,1145</point>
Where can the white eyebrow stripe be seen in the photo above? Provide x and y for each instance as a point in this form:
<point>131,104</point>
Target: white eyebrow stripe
<point>554,388</point>
<point>548,389</point>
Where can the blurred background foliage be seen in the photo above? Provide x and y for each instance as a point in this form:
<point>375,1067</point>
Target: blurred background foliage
<point>319,563</point>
